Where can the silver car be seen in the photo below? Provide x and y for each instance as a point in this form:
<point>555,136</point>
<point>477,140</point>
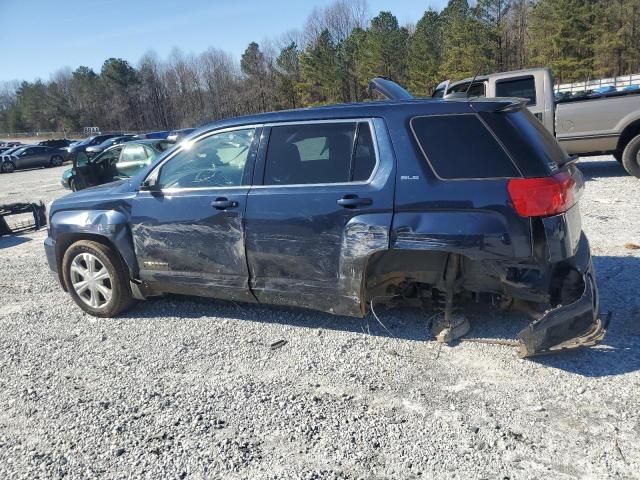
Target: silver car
<point>32,156</point>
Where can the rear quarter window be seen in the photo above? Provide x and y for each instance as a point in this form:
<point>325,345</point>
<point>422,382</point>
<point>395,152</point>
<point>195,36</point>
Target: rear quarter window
<point>531,145</point>
<point>461,147</point>
<point>520,87</point>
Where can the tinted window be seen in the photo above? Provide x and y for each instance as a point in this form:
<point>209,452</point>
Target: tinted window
<point>364,160</point>
<point>319,153</point>
<point>476,90</point>
<point>460,146</point>
<point>214,161</point>
<point>521,88</point>
<point>531,145</point>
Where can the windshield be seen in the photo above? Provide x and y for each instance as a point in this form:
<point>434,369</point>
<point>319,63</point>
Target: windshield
<point>86,141</point>
<point>18,151</point>
<point>12,150</point>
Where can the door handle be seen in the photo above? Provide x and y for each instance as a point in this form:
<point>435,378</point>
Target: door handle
<point>353,201</point>
<point>222,203</point>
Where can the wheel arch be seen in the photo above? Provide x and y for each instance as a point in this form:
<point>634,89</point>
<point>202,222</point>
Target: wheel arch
<point>65,241</point>
<point>107,227</point>
<point>629,132</point>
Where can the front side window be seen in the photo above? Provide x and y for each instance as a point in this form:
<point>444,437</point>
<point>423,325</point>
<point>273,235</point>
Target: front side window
<point>461,147</point>
<point>218,160</point>
<point>520,88</point>
<point>110,156</point>
<point>306,154</point>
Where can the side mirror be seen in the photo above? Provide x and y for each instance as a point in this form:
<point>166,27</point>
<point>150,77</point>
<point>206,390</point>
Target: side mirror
<point>150,184</point>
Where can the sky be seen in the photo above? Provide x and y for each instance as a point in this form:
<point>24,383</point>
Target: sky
<point>39,37</point>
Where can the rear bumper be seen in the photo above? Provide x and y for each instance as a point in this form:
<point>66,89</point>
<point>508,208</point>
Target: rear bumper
<point>574,325</point>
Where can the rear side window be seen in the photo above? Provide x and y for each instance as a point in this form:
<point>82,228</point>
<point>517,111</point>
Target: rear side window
<point>520,87</point>
<point>531,145</point>
<point>319,153</point>
<point>460,146</point>
<point>476,89</point>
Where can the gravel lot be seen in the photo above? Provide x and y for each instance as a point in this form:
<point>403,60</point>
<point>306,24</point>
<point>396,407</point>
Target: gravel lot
<point>190,388</point>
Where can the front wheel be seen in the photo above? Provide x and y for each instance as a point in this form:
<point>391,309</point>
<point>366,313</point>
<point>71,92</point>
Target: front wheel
<point>56,161</point>
<point>7,167</point>
<point>97,279</point>
<point>631,157</point>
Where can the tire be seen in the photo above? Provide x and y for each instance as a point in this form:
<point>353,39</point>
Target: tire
<point>618,156</point>
<point>97,279</point>
<point>56,161</point>
<point>631,157</point>
<point>7,167</point>
<point>72,185</point>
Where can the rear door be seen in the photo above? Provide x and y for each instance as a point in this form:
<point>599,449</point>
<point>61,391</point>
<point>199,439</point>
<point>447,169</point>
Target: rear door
<point>325,204</point>
<point>189,233</point>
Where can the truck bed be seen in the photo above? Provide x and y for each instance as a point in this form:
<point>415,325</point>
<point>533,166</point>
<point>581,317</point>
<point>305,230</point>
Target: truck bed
<point>593,124</point>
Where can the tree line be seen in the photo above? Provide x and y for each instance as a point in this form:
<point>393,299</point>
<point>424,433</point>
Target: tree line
<point>331,59</point>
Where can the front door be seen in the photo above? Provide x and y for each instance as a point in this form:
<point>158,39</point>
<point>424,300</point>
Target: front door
<point>189,232</point>
<point>324,207</point>
<point>98,170</point>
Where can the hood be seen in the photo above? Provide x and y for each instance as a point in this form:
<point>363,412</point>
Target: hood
<point>102,194</point>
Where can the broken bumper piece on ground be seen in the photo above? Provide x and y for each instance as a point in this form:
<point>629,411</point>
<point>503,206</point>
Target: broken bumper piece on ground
<point>566,327</point>
<point>22,217</point>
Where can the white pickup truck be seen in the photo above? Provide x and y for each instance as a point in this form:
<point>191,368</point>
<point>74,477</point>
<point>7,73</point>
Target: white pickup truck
<point>588,124</point>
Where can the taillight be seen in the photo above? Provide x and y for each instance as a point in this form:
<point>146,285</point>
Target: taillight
<point>541,197</point>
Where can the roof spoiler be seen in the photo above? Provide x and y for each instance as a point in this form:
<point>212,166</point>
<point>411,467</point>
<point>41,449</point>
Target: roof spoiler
<point>513,105</point>
<point>388,89</point>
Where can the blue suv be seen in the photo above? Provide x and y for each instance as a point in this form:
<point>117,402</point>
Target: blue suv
<point>431,202</point>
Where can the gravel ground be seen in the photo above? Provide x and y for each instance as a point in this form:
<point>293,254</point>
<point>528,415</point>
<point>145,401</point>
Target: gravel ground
<point>190,388</point>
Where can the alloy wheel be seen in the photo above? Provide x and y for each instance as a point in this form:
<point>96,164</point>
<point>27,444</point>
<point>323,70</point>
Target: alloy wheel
<point>91,280</point>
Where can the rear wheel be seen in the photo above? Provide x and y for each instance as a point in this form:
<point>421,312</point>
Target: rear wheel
<point>72,185</point>
<point>97,279</point>
<point>7,167</point>
<point>56,161</point>
<point>631,157</point>
<point>618,156</point>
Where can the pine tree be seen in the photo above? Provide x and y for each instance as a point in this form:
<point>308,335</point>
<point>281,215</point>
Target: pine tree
<point>465,42</point>
<point>288,75</point>
<point>321,77</point>
<point>385,53</point>
<point>424,55</point>
<point>562,37</point>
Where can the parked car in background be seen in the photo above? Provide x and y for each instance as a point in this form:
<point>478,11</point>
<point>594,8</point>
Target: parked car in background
<point>93,150</point>
<point>4,149</point>
<point>176,136</point>
<point>338,207</point>
<point>56,143</point>
<point>32,156</point>
<point>115,163</point>
<point>80,148</point>
<point>585,123</point>
<point>159,135</point>
<point>10,144</point>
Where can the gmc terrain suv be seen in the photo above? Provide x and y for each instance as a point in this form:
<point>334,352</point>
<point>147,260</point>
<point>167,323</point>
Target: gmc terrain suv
<point>433,202</point>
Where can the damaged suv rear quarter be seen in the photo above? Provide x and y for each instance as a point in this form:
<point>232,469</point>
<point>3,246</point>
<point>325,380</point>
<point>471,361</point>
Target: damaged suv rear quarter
<point>487,210</point>
<point>432,203</point>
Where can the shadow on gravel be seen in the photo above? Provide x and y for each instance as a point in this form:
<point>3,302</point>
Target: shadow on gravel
<point>618,285</point>
<point>12,241</point>
<point>602,168</point>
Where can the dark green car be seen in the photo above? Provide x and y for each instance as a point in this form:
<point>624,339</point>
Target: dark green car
<point>115,163</point>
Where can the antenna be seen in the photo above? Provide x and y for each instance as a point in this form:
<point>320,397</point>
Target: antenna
<point>466,92</point>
